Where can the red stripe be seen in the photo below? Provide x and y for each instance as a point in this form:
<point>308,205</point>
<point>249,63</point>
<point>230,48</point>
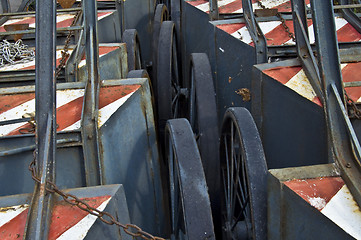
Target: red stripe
<point>232,7</point>
<point>317,101</point>
<point>8,102</point>
<point>348,34</point>
<point>29,20</point>
<point>65,216</point>
<point>14,229</point>
<point>70,113</point>
<point>324,188</point>
<point>231,28</point>
<point>282,74</point>
<point>197,2</point>
<point>279,36</point>
<point>351,73</point>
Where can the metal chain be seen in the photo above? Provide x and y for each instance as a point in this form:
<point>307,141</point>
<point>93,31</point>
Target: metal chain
<point>13,53</point>
<point>283,21</point>
<point>354,111</point>
<point>65,52</point>
<point>130,229</point>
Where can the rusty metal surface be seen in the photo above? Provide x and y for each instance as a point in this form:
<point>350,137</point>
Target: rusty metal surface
<point>16,27</point>
<point>66,3</point>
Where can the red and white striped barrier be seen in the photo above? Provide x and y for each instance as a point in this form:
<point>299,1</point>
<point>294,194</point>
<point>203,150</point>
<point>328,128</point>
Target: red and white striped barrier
<point>276,35</point>
<point>67,221</point>
<point>295,78</point>
<point>69,107</point>
<point>103,50</point>
<point>333,199</point>
<point>62,20</point>
<point>235,6</point>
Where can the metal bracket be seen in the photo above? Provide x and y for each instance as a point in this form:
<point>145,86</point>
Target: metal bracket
<point>304,50</point>
<point>213,10</point>
<point>350,16</point>
<point>89,118</point>
<point>255,31</point>
<point>341,136</point>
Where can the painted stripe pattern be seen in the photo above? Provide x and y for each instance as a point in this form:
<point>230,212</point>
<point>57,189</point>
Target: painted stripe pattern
<point>274,32</point>
<point>276,35</point>
<point>69,107</point>
<point>235,6</point>
<point>103,50</point>
<point>296,79</point>
<point>333,199</point>
<point>67,222</point>
<point>62,20</point>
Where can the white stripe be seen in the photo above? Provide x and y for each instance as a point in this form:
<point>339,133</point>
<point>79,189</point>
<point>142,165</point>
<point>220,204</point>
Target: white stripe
<point>63,97</point>
<point>339,22</point>
<point>343,210</point>
<point>104,113</point>
<point>14,20</point>
<point>107,111</point>
<point>273,3</point>
<point>80,230</point>
<point>7,214</point>
<point>20,66</point>
<point>300,84</point>
<point>266,3</point>
<point>205,6</point>
<point>59,18</point>
<point>104,16</point>
<point>267,27</point>
<point>244,35</point>
<point>83,62</point>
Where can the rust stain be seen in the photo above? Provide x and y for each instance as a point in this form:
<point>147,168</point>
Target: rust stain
<point>66,3</point>
<point>245,93</point>
<point>16,27</point>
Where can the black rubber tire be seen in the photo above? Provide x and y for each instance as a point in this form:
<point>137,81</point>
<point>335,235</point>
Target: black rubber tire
<point>161,14</point>
<point>241,140</point>
<point>131,39</point>
<point>202,115</point>
<point>191,216</point>
<point>168,77</point>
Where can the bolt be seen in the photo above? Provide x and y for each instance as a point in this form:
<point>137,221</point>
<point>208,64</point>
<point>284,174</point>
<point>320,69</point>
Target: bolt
<point>348,165</point>
<point>304,56</point>
<point>90,137</point>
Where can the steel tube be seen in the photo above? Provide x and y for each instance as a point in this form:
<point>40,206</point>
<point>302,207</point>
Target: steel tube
<point>38,221</point>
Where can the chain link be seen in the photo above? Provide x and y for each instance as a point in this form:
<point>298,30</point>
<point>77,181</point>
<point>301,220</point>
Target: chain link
<point>65,52</point>
<point>354,112</point>
<point>130,229</point>
<point>283,22</point>
<point>13,53</point>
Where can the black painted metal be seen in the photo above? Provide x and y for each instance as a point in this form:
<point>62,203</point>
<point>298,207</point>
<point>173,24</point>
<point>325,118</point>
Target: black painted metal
<point>191,216</point>
<point>168,81</point>
<point>131,39</point>
<point>342,140</point>
<point>38,220</point>
<point>213,9</point>
<point>202,116</point>
<point>255,31</point>
<point>89,119</point>
<point>244,177</point>
<point>350,16</point>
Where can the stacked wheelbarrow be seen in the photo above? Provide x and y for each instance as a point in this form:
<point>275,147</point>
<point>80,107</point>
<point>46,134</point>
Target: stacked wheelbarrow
<point>286,89</point>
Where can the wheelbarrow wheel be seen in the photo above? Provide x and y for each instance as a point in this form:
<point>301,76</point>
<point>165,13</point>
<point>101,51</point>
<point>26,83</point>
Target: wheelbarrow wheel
<point>202,115</point>
<point>191,216</point>
<point>131,39</point>
<point>168,82</point>
<point>161,14</point>
<point>244,178</point>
